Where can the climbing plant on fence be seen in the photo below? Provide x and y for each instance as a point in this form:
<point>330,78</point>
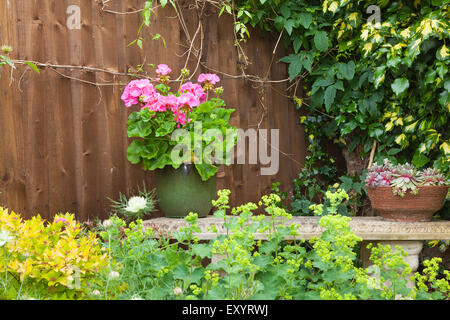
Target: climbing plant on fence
<point>369,81</point>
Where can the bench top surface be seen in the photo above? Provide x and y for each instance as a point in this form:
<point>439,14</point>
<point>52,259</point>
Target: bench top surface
<point>368,228</point>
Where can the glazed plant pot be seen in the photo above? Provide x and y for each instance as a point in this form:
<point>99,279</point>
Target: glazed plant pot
<point>410,208</point>
<point>182,190</point>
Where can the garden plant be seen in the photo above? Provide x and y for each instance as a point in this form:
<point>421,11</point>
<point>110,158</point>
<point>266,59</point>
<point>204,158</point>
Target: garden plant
<point>131,261</point>
<point>369,78</point>
<point>194,107</point>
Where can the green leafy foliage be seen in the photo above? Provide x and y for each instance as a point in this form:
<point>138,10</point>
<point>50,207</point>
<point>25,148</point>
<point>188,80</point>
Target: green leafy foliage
<point>139,262</point>
<point>384,81</point>
<point>282,267</point>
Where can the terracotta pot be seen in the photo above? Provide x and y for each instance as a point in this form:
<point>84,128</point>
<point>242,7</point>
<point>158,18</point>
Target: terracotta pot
<point>411,208</point>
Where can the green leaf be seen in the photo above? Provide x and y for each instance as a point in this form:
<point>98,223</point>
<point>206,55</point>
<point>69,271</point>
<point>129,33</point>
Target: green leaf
<point>317,99</point>
<point>221,11</point>
<point>139,129</point>
<point>347,183</point>
<point>322,83</point>
<point>132,42</point>
<point>321,41</point>
<point>336,275</point>
<point>297,44</point>
<point>305,19</point>
<point>285,11</point>
<point>295,68</point>
<point>197,275</point>
<point>288,25</point>
<point>413,51</point>
<point>348,127</point>
<point>447,85</point>
<point>339,85</point>
<point>307,60</point>
<point>162,88</point>
<point>181,272</point>
<point>400,85</point>
<point>202,250</point>
<point>7,60</point>
<point>134,151</point>
<point>393,151</point>
<point>430,76</point>
<point>347,70</point>
<point>297,62</point>
<point>146,15</point>
<point>205,107</point>
<point>205,170</point>
<point>220,214</point>
<point>393,62</point>
<point>160,162</point>
<point>262,261</point>
<point>165,128</point>
<point>379,75</point>
<point>376,130</point>
<point>419,159</point>
<point>269,246</point>
<point>33,66</point>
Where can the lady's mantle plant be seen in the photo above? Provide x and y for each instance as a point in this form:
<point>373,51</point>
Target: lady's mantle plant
<point>282,267</point>
<point>196,109</point>
<point>403,177</point>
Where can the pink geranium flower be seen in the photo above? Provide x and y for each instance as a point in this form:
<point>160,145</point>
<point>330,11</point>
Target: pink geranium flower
<point>188,99</point>
<point>195,89</point>
<point>172,102</point>
<point>158,105</point>
<point>180,118</point>
<point>163,70</point>
<point>208,77</point>
<point>135,89</point>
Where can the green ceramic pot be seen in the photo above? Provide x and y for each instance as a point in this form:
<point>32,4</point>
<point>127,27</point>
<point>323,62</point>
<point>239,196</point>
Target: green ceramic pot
<point>182,190</point>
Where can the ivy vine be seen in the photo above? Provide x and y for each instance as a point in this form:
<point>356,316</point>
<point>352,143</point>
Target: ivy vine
<point>384,81</point>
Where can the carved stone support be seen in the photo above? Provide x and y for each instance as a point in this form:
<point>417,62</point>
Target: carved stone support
<point>216,258</point>
<point>412,248</point>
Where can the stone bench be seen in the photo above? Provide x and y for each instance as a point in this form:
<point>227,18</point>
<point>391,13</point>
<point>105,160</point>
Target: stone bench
<point>409,235</point>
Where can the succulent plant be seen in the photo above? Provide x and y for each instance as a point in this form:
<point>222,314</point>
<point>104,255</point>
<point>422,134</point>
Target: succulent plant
<point>403,177</point>
<point>432,177</point>
<point>380,175</point>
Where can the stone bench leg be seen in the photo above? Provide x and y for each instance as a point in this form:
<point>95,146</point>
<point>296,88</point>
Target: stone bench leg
<point>216,258</point>
<point>412,248</point>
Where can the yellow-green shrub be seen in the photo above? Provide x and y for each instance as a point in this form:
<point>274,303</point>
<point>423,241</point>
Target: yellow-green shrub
<point>59,256</point>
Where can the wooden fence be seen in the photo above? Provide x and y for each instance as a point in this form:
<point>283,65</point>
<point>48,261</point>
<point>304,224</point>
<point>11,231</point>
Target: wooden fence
<point>63,132</point>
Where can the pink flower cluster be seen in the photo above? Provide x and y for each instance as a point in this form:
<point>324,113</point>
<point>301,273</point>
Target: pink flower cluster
<point>163,70</point>
<point>195,89</point>
<point>61,220</point>
<point>208,77</point>
<point>190,95</point>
